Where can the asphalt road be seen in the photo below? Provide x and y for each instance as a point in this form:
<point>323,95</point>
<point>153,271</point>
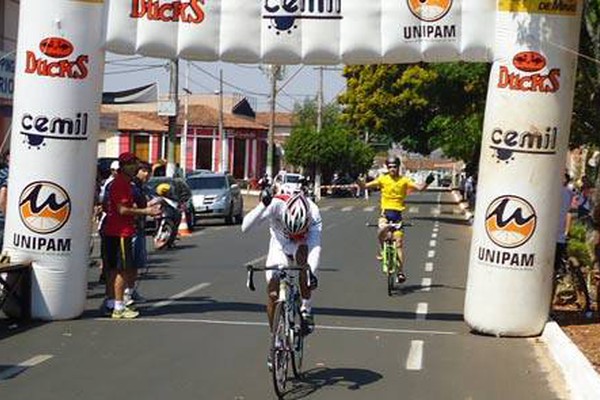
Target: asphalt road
<point>203,335</point>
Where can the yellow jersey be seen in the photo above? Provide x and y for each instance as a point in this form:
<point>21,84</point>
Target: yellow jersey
<point>394,191</point>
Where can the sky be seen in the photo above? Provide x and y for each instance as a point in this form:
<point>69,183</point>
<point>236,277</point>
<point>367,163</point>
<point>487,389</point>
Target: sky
<point>299,82</point>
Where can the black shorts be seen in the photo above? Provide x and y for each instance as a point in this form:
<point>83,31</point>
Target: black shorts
<point>392,216</point>
<point>117,252</point>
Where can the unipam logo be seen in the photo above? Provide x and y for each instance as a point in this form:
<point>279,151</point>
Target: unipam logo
<point>430,10</point>
<point>510,221</point>
<point>44,207</point>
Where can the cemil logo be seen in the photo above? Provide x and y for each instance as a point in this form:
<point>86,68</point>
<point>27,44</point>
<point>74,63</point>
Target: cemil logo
<point>507,142</point>
<point>57,65</point>
<point>531,80</point>
<point>282,14</point>
<point>38,128</point>
<point>429,10</point>
<point>510,221</point>
<point>44,207</point>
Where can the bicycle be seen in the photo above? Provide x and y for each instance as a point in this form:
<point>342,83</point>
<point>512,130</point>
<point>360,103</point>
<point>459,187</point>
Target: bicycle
<point>391,264</point>
<point>571,287</point>
<point>289,329</point>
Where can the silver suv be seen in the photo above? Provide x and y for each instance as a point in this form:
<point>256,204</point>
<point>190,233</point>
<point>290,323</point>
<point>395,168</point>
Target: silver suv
<point>216,195</point>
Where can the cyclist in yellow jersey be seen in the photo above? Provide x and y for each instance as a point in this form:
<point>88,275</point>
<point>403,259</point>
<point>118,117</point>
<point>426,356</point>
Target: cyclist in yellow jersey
<point>394,189</point>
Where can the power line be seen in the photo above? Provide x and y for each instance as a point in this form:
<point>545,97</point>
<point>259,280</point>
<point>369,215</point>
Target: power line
<point>227,83</point>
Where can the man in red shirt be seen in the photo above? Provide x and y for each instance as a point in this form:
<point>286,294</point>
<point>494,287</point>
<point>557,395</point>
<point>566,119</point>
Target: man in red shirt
<point>119,231</point>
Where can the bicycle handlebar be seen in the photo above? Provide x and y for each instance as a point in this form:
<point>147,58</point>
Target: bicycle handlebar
<point>251,269</point>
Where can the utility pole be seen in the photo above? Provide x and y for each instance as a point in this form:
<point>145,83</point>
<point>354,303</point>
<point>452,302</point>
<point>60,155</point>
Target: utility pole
<point>319,128</point>
<point>172,132</point>
<point>271,138</point>
<point>183,155</point>
<point>224,146</point>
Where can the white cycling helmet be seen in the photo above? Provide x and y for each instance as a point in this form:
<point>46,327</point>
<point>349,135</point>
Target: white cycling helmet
<point>296,215</point>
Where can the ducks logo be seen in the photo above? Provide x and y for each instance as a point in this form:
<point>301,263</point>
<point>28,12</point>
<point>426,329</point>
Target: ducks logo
<point>44,207</point>
<point>510,221</point>
<point>430,10</point>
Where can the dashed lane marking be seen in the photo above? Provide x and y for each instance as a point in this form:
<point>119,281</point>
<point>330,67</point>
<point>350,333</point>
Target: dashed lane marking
<point>326,208</point>
<point>426,284</point>
<point>413,210</point>
<point>414,361</point>
<point>430,253</point>
<point>346,209</point>
<point>432,243</point>
<point>421,313</point>
<point>178,296</point>
<point>434,235</point>
<point>21,367</point>
<point>369,209</point>
<point>428,267</point>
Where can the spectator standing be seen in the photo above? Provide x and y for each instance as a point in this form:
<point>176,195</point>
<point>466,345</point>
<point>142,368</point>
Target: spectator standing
<point>141,196</point>
<point>565,218</point>
<point>119,231</point>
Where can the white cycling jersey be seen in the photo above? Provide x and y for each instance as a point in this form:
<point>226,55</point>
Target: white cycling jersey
<point>281,246</point>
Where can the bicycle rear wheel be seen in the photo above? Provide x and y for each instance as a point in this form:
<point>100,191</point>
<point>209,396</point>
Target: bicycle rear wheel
<point>297,340</point>
<point>279,353</point>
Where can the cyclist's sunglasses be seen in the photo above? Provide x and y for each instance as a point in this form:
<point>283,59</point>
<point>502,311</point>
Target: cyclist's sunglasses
<point>392,165</point>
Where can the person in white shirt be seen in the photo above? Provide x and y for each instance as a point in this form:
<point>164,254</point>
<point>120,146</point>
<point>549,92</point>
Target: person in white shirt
<point>295,228</point>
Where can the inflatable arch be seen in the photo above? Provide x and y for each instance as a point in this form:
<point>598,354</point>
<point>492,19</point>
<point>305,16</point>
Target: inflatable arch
<point>60,60</point>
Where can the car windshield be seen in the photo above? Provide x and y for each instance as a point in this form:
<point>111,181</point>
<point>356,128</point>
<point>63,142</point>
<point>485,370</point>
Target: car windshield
<point>292,178</point>
<point>207,182</point>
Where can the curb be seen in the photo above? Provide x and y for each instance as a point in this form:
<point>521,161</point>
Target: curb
<point>582,380</point>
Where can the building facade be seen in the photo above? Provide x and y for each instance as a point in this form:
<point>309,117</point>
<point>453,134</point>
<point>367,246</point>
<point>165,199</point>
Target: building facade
<point>141,130</point>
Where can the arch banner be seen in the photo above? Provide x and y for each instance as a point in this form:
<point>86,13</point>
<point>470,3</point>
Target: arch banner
<point>59,70</point>
<point>523,155</point>
<point>304,31</point>
<point>58,85</point>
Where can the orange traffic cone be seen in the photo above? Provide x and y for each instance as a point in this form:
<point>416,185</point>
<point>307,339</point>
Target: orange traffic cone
<point>184,229</point>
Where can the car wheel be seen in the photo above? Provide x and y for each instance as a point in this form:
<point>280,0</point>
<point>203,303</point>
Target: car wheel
<point>239,217</point>
<point>229,217</point>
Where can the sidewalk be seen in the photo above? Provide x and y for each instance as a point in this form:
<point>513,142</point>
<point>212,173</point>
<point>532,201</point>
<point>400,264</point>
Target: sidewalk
<point>582,380</point>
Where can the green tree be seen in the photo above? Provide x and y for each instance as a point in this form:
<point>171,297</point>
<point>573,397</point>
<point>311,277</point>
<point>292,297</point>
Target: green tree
<point>334,149</point>
<point>421,106</point>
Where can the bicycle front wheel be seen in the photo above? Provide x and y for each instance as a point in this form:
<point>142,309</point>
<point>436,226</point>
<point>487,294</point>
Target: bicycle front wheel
<point>390,261</point>
<point>279,353</point>
<point>297,331</point>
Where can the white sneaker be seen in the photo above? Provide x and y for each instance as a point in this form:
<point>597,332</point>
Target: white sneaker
<point>128,300</point>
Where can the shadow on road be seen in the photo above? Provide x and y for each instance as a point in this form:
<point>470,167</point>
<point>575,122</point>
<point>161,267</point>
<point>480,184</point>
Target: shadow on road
<point>203,305</point>
<point>322,377</point>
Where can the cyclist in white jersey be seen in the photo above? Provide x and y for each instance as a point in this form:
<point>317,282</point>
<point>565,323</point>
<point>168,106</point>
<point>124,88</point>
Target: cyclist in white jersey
<point>295,226</point>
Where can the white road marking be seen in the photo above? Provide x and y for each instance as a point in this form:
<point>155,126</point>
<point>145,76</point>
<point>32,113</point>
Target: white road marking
<point>428,267</point>
<point>426,284</point>
<point>256,260</point>
<point>422,311</point>
<point>431,254</point>
<point>264,324</point>
<point>434,235</point>
<point>17,369</point>
<point>413,210</point>
<point>436,211</point>
<point>414,362</point>
<point>326,208</point>
<point>432,243</point>
<point>346,209</point>
<point>369,209</point>
<point>178,296</point>
<point>436,230</point>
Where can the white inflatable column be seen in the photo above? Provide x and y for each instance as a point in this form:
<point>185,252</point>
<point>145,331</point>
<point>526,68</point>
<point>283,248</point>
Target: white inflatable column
<point>58,90</point>
<point>524,144</point>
